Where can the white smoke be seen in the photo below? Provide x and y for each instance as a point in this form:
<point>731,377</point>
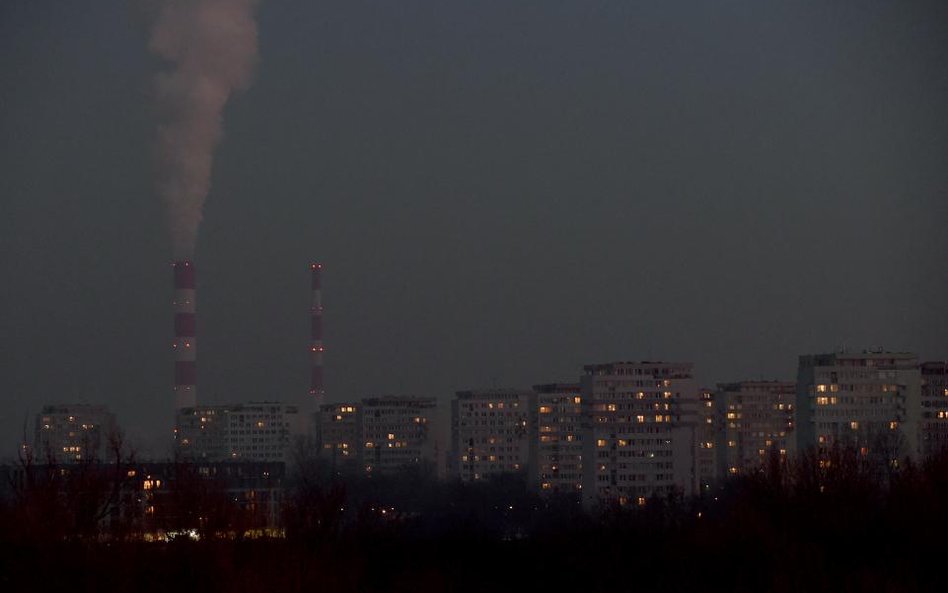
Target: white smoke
<point>211,48</point>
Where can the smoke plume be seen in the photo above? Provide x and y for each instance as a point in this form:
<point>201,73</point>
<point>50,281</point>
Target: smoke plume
<point>211,50</point>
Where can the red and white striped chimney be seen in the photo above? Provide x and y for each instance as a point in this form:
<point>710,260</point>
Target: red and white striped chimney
<point>185,335</point>
<point>316,389</point>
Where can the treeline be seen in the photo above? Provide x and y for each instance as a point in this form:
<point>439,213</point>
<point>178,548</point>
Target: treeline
<point>840,522</point>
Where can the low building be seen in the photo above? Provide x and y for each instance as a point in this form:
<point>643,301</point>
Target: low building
<point>560,422</point>
<point>71,433</point>
<point>253,432</point>
<point>233,499</point>
<point>756,419</point>
<point>933,428</point>
<point>493,432</point>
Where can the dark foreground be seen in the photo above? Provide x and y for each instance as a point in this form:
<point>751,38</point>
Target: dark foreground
<point>836,529</point>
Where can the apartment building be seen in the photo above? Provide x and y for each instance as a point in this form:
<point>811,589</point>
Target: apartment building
<point>642,437</point>
<point>493,432</point>
<point>756,420</point>
<point>560,424</point>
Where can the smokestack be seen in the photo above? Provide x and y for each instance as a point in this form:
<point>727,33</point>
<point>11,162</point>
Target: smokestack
<point>185,335</point>
<point>316,389</point>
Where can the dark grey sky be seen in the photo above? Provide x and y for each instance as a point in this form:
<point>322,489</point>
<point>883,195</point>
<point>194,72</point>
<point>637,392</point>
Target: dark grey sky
<point>500,191</point>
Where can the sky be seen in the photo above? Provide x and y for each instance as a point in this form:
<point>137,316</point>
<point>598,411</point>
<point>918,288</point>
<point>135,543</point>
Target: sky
<point>500,192</point>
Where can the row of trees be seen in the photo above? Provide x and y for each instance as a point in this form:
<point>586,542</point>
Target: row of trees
<point>841,521</point>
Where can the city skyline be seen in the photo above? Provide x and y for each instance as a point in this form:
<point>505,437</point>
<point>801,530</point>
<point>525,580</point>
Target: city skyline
<point>505,198</point>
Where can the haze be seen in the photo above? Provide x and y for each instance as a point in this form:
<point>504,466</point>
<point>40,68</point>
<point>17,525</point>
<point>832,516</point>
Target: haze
<point>500,192</point>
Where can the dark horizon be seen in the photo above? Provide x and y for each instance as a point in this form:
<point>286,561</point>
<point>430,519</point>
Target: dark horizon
<point>500,193</point>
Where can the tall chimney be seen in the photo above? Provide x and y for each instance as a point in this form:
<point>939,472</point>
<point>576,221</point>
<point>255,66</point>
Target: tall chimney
<point>316,389</point>
<point>185,335</point>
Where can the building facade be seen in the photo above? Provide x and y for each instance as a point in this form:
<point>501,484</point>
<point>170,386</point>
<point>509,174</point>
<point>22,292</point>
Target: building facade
<point>933,424</point>
<point>756,420</point>
<point>560,424</point>
<point>493,432</point>
<point>870,400</point>
<point>706,453</point>
<point>396,433</point>
<point>253,432</point>
<point>339,434</point>
<point>641,437</point>
<point>73,433</point>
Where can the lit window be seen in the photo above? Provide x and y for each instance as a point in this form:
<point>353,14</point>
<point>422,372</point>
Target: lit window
<point>640,418</point>
<point>579,400</point>
<point>545,409</point>
<point>611,407</point>
<point>601,443</point>
<point>821,388</point>
<point>854,425</point>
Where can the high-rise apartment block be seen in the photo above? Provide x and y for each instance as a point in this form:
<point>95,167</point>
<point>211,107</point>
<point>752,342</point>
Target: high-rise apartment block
<point>396,432</point>
<point>339,433</point>
<point>493,432</point>
<point>73,433</point>
<point>378,434</point>
<point>706,453</point>
<point>933,431</point>
<point>259,432</point>
<point>641,441</point>
<point>870,400</point>
<point>756,419</point>
<point>560,423</point>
